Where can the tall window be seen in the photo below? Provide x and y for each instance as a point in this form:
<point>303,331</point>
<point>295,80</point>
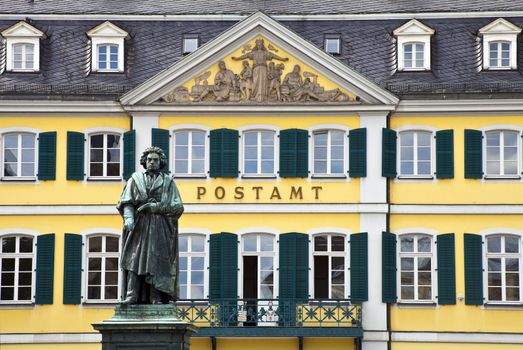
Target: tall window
<point>258,266</point>
<point>105,155</point>
<point>108,57</point>
<point>502,152</point>
<point>192,266</point>
<point>19,155</point>
<point>415,153</point>
<point>414,56</point>
<point>23,56</point>
<point>504,266</point>
<point>329,152</point>
<point>189,152</point>
<point>416,268</point>
<point>499,54</point>
<point>329,266</point>
<point>259,151</point>
<point>102,268</point>
<point>16,268</point>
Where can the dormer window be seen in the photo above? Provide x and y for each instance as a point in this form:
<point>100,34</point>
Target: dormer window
<point>107,45</point>
<point>191,43</point>
<point>413,46</point>
<point>23,47</point>
<point>500,45</point>
<point>332,44</point>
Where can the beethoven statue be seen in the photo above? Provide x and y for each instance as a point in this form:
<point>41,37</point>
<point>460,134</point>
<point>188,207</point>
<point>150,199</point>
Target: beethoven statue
<point>150,205</point>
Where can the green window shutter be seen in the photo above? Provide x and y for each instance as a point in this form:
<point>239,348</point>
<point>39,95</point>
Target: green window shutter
<point>388,153</point>
<point>359,280</point>
<point>388,261</point>
<point>294,266</point>
<point>72,268</point>
<point>44,269</point>
<point>473,154</point>
<point>129,154</point>
<point>358,152</point>
<point>47,156</point>
<point>445,154</point>
<point>160,138</point>
<point>75,155</point>
<point>446,269</point>
<point>223,266</point>
<point>294,153</point>
<point>473,269</point>
<point>224,153</point>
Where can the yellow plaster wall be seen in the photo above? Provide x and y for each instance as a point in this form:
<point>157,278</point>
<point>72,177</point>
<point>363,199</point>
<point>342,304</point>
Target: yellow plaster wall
<point>457,190</point>
<point>58,318</point>
<point>333,191</point>
<point>459,317</point>
<point>61,191</point>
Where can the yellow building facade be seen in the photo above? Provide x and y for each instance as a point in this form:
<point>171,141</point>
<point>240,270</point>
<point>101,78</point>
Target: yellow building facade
<point>364,223</point>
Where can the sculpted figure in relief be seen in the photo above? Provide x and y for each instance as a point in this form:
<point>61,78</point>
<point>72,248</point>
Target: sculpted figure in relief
<point>246,81</point>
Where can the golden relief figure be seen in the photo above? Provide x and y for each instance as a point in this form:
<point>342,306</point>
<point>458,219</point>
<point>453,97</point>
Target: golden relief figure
<point>261,83</point>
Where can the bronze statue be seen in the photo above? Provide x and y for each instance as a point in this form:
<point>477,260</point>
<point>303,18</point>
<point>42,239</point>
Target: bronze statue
<point>259,55</point>
<point>150,205</point>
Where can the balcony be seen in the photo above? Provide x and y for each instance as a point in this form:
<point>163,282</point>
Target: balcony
<point>272,317</point>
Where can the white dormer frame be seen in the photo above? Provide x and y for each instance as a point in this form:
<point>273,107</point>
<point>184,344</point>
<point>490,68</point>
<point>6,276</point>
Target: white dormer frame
<point>500,30</point>
<point>413,32</point>
<point>107,34</point>
<point>22,33</point>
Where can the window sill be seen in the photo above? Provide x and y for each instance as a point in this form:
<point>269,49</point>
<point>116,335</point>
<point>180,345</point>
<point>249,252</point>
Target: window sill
<point>21,178</point>
<point>328,176</point>
<point>113,71</point>
<point>416,304</point>
<point>98,304</point>
<point>189,176</point>
<point>414,70</point>
<point>18,305</point>
<point>498,68</point>
<point>415,177</point>
<point>104,179</point>
<point>23,71</point>
<point>498,177</point>
<point>503,306</point>
<point>258,176</point>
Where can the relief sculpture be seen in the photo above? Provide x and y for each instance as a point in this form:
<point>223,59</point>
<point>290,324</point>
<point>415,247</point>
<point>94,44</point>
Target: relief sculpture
<point>260,83</point>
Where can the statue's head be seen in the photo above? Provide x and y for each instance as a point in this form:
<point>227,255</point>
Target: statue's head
<point>221,64</point>
<point>296,69</point>
<point>153,159</point>
<point>245,63</point>
<point>260,44</point>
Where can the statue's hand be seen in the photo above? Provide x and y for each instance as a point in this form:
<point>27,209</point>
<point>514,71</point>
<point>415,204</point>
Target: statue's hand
<point>129,224</point>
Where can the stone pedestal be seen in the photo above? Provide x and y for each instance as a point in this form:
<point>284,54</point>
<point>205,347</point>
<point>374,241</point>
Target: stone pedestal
<point>145,327</point>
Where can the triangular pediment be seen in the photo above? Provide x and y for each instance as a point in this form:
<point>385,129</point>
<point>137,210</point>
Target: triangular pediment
<point>266,56</point>
<point>107,29</point>
<point>22,29</point>
<point>414,27</point>
<point>500,26</point>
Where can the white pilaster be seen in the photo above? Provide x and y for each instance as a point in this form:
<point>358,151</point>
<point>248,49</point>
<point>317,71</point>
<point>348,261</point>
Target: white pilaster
<point>374,312</point>
<point>373,187</point>
<point>143,123</point>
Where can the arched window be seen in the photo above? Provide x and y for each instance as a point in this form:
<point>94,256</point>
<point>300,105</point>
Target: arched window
<point>103,270</point>
<point>502,149</point>
<point>192,266</point>
<point>417,267</point>
<point>503,255</point>
<point>17,254</point>
<point>105,155</point>
<point>330,264</point>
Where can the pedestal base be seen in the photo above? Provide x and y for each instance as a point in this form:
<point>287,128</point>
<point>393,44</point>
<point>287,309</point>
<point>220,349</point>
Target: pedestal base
<point>140,327</point>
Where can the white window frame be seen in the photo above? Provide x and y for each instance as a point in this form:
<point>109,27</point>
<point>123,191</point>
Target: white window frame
<point>499,60</point>
<point>416,129</point>
<point>188,232</point>
<point>24,46</point>
<point>329,232</point>
<point>333,37</point>
<point>16,130</point>
<point>187,37</point>
<point>501,232</point>
<point>258,253</point>
<point>413,32</point>
<point>191,128</point>
<point>107,34</point>
<point>502,127</point>
<point>418,232</point>
<point>105,232</point>
<point>108,57</point>
<point>259,128</point>
<point>328,128</point>
<point>22,33</point>
<point>414,54</point>
<point>500,30</point>
<point>21,233</point>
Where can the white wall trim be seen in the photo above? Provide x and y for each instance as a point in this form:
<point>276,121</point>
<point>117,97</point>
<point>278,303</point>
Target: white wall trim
<point>49,338</point>
<point>81,107</point>
<point>464,209</point>
<point>483,107</point>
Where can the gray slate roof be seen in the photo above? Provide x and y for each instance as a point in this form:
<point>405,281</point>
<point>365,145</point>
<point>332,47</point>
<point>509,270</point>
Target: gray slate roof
<point>368,47</point>
<point>250,6</point>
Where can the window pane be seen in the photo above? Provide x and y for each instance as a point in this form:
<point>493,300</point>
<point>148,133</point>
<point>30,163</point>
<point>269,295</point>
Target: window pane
<point>407,292</point>
<point>337,167</point>
<point>407,244</point>
<point>337,243</point>
<point>424,138</point>
<point>111,278</point>
<point>425,278</point>
<point>338,277</point>
<point>511,168</point>
<point>494,279</point>
<point>111,292</point>
<point>183,243</point>
<point>28,141</point>
<point>266,243</point>
<point>407,278</point>
<point>95,264</point>
<point>338,263</point>
<point>28,155</point>
<point>181,166</point>
<point>8,279</point>
<point>197,243</point>
<point>111,264</point>
<point>10,155</point>
<point>97,155</point>
<point>197,263</point>
<point>190,44</point>
<point>182,152</point>
<point>424,293</point>
<point>423,153</point>
<point>424,244</point>
<point>111,244</point>
<point>8,264</point>
<point>494,293</point>
<point>198,152</point>
<point>249,243</point>
<point>95,244</point>
<point>320,167</point>
<point>332,45</point>
<point>96,169</point>
<point>424,168</point>
<point>28,169</point>
<point>407,168</point>
<point>267,167</point>
<point>493,138</point>
<point>266,291</point>
<point>8,245</point>
<point>320,139</point>
<point>251,138</point>
<point>320,243</point>
<point>197,277</point>
<point>407,264</point>
<point>10,170</point>
<point>25,264</point>
<point>181,138</point>
<point>183,263</point>
<point>7,293</point>
<point>266,277</point>
<point>407,153</point>
<point>198,167</point>
<point>510,153</point>
<point>512,294</point>
<point>493,153</point>
<point>197,292</point>
<point>251,167</point>
<point>494,244</point>
<point>494,264</point>
<point>512,279</point>
<point>95,278</point>
<point>493,168</point>
<point>424,264</point>
<point>93,293</point>
<point>24,293</point>
<point>266,263</point>
<point>512,264</point>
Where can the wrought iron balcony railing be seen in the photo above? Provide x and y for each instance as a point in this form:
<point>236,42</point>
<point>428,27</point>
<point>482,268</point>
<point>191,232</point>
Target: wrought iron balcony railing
<point>255,317</point>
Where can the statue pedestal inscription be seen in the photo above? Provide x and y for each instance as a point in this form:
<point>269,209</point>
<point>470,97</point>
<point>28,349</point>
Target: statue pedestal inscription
<point>140,327</point>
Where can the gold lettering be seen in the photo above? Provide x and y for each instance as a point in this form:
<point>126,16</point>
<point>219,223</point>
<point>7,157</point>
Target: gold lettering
<point>219,192</point>
<point>295,192</point>
<point>238,192</point>
<point>316,190</point>
<point>200,192</point>
<point>275,193</point>
<point>257,189</point>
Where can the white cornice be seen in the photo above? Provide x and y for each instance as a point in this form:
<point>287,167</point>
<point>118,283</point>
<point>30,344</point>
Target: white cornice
<point>279,17</point>
<point>37,106</point>
<point>485,106</point>
<point>248,29</point>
